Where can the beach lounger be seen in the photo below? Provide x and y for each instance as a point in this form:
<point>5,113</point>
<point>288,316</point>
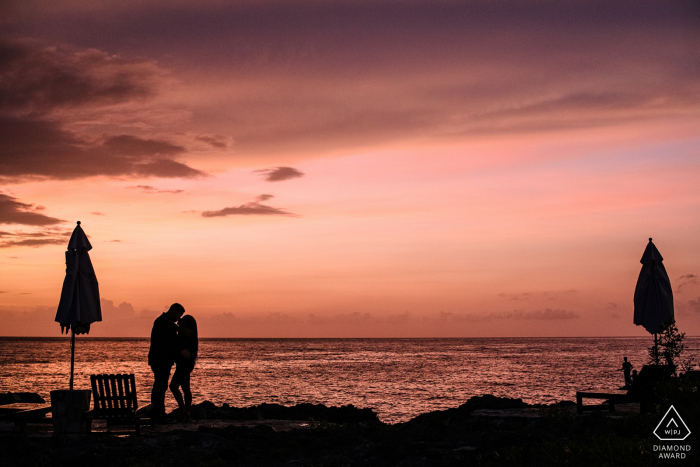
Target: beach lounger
<point>114,398</point>
<point>26,412</point>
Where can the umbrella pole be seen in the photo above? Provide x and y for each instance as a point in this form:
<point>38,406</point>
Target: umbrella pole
<point>656,350</point>
<point>72,355</point>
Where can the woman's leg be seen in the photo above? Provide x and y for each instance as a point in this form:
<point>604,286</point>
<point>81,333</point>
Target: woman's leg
<point>188,395</point>
<point>175,384</point>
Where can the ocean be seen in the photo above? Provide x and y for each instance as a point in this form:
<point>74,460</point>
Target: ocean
<point>398,378</point>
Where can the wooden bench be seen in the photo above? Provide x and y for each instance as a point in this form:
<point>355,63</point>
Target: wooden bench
<point>642,390</point>
<point>114,398</point>
<point>613,397</point>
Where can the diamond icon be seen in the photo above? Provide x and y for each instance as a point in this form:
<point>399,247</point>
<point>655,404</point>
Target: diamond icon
<point>672,427</point>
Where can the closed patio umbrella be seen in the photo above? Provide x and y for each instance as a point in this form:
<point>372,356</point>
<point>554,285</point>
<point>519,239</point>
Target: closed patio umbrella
<point>80,297</point>
<point>653,296</point>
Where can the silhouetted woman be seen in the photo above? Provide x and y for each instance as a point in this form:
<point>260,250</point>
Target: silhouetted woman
<point>185,364</point>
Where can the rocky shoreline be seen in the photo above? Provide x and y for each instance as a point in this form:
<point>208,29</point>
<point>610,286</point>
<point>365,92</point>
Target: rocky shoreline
<point>349,436</point>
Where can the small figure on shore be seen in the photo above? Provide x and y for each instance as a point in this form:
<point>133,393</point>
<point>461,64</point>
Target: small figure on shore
<point>184,364</point>
<point>634,375</point>
<point>161,356</point>
<point>626,369</point>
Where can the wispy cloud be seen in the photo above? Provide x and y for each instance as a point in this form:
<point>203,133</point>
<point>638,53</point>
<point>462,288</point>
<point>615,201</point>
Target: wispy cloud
<point>436,71</point>
<point>547,295</point>
<point>39,79</point>
<point>694,305</point>
<point>514,296</point>
<point>217,141</point>
<point>685,281</point>
<point>279,174</point>
<point>547,314</point>
<point>253,208</point>
<point>44,229</point>
<point>555,295</point>
<point>49,236</point>
<point>417,70</point>
<point>43,149</point>
<point>13,211</point>
<point>611,310</point>
<point>41,88</point>
<point>151,189</point>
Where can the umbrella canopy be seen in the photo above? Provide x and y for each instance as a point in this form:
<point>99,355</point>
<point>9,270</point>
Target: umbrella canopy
<point>80,296</point>
<point>653,297</point>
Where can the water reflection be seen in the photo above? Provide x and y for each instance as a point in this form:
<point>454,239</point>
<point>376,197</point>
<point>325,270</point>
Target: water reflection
<point>398,378</point>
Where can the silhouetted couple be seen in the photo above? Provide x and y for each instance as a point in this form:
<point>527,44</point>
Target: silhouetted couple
<point>173,342</point>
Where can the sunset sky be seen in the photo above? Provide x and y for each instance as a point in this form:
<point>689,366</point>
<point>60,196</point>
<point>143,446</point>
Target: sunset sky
<point>351,169</point>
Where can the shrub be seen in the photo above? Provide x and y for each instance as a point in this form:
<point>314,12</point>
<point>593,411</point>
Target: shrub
<point>670,348</point>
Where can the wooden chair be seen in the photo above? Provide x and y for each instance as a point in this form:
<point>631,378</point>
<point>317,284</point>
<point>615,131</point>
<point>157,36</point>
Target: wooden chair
<point>115,401</point>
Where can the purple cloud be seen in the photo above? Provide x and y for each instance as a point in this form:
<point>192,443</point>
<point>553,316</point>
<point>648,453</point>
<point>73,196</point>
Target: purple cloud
<point>43,149</point>
<point>253,208</point>
<point>42,88</point>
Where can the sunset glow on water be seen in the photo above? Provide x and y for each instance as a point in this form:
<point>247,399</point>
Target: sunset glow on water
<point>398,378</point>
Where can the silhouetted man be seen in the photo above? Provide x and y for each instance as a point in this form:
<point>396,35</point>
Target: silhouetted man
<point>626,369</point>
<point>161,356</point>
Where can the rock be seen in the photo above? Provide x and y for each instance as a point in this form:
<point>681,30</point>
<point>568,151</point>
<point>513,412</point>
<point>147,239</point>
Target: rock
<point>310,412</point>
<point>205,410</point>
<point>15,397</point>
<point>450,437</point>
<point>462,412</point>
<point>487,401</point>
<point>563,404</point>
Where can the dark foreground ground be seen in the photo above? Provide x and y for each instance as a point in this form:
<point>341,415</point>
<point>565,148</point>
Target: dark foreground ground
<point>485,431</point>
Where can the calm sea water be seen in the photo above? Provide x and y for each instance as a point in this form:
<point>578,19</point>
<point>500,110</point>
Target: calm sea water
<point>398,378</point>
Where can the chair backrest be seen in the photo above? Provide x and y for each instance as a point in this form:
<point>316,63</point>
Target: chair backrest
<point>114,395</point>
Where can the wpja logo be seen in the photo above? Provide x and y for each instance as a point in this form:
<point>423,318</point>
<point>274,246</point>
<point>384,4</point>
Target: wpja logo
<point>672,428</point>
